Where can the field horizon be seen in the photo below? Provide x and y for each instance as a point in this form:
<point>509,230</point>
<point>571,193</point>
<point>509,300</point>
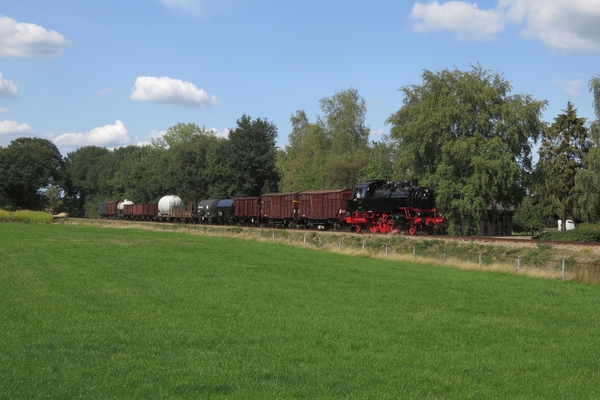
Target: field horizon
<point>105,312</point>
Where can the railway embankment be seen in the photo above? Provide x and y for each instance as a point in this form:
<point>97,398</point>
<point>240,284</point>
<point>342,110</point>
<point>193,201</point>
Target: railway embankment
<point>515,255</point>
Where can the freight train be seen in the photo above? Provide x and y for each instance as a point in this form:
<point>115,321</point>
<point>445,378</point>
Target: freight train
<point>373,206</point>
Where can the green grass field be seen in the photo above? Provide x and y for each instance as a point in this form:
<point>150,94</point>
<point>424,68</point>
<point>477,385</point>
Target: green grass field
<point>88,312</point>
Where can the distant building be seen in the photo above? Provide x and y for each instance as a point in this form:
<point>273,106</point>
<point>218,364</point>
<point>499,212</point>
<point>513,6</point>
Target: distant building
<point>498,222</point>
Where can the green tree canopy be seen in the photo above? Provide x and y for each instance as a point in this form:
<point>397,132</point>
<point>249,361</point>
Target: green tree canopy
<point>28,166</point>
<point>344,121</point>
<point>587,180</point>
<point>331,152</point>
<point>303,160</point>
<point>380,164</point>
<point>191,169</point>
<point>188,161</point>
<point>462,133</point>
<point>181,133</point>
<point>249,157</point>
<point>82,177</point>
<point>562,153</point>
<point>527,219</point>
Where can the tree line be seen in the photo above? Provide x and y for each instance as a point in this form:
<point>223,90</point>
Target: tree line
<point>189,161</point>
<point>463,133</point>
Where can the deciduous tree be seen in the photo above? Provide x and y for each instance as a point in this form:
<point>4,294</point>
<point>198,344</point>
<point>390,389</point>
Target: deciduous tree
<point>28,166</point>
<point>331,152</point>
<point>464,134</point>
<point>380,164</point>
<point>180,133</point>
<point>189,166</point>
<point>303,160</point>
<point>250,158</point>
<point>82,178</point>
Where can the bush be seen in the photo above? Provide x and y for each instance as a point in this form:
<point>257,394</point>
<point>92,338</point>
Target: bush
<point>29,217</point>
<point>589,233</point>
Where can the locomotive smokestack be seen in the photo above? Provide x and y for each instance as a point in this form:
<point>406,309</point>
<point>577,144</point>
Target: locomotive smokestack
<point>414,182</point>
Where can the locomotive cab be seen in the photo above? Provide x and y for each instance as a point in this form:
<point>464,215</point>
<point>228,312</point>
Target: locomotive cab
<point>362,196</point>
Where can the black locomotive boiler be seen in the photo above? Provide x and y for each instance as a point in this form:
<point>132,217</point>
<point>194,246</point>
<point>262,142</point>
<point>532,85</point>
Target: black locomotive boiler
<point>381,206</point>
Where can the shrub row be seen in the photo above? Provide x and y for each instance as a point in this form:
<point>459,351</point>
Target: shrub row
<point>581,234</point>
<point>29,217</point>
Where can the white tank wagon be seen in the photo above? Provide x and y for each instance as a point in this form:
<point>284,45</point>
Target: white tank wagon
<point>122,204</point>
<point>125,209</point>
<point>169,204</point>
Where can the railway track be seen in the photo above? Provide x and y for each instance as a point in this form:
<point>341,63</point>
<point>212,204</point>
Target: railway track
<point>519,240</point>
<point>489,240</point>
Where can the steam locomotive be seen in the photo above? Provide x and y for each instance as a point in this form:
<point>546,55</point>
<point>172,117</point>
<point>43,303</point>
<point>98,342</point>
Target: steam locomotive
<point>381,206</point>
<point>372,206</point>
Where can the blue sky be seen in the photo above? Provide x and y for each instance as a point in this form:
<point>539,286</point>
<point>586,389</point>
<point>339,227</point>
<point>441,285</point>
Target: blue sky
<point>113,73</point>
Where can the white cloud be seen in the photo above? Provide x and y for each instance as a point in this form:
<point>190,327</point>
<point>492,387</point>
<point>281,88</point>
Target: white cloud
<point>465,19</point>
<point>19,39</point>
<point>4,110</point>
<point>105,135</point>
<point>155,134</point>
<point>222,134</point>
<point>377,135</point>
<point>8,89</point>
<point>196,7</point>
<point>12,127</point>
<point>562,25</point>
<point>104,92</point>
<point>172,92</point>
<point>573,88</point>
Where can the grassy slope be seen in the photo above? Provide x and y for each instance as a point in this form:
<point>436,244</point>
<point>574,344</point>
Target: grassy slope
<point>96,313</point>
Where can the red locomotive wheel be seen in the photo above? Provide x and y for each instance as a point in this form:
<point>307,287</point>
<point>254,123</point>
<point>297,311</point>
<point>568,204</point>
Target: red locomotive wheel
<point>412,229</point>
<point>373,228</point>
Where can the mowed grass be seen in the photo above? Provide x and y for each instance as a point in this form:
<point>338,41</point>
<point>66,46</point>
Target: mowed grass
<point>89,312</point>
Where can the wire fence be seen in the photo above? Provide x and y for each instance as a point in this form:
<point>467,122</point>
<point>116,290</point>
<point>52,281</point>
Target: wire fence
<point>567,268</point>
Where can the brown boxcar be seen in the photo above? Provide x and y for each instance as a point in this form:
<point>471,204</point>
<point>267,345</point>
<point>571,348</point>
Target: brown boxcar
<point>138,210</point>
<point>247,209</point>
<point>145,211</point>
<point>279,208</point>
<point>128,211</point>
<point>111,208</point>
<point>323,207</point>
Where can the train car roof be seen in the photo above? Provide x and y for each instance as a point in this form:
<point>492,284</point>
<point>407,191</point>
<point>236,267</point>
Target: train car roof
<point>371,182</point>
<point>209,201</point>
<point>325,191</point>
<point>279,194</point>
